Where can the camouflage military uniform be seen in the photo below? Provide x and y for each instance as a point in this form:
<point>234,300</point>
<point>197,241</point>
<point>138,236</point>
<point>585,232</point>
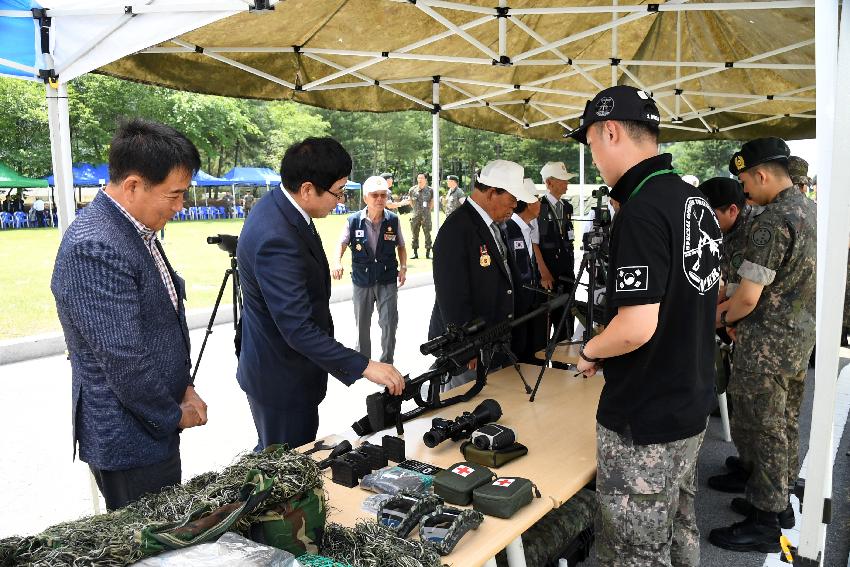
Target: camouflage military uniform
<point>453,200</point>
<point>419,199</point>
<point>646,502</point>
<point>734,243</point>
<point>773,346</point>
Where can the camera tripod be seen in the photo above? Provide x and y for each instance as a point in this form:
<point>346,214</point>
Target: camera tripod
<point>589,264</point>
<point>231,273</point>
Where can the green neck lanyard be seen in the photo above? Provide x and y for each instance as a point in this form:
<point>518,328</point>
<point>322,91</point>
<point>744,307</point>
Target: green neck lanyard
<point>650,176</point>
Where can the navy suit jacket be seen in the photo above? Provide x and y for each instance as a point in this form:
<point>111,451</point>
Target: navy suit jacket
<point>129,348</point>
<point>287,330</point>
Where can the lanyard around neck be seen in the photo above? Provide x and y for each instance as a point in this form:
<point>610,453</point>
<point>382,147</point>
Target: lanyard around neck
<point>650,176</point>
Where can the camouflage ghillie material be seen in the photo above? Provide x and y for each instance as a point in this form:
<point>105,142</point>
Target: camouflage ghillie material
<point>421,217</point>
<point>125,535</point>
<point>779,334</point>
<point>368,544</point>
<point>760,428</point>
<point>446,527</point>
<point>646,502</point>
<point>734,246</point>
<point>799,170</point>
<point>295,525</point>
<point>453,200</point>
<point>551,535</point>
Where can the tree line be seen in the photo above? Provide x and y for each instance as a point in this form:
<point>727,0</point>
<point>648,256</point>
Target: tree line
<point>246,132</point>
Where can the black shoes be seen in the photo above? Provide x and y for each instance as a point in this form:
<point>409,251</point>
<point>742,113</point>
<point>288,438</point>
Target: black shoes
<point>786,517</point>
<point>758,532</point>
<point>735,464</point>
<point>733,482</point>
<point>428,253</point>
<point>415,255</point>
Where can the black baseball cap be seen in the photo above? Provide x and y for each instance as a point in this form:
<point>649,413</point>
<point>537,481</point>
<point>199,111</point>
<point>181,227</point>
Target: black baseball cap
<point>452,178</point>
<point>387,175</point>
<point>622,102</point>
<point>721,192</point>
<point>758,151</point>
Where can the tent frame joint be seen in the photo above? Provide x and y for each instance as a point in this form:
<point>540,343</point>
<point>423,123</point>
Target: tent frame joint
<point>652,7</point>
<point>503,12</point>
<point>503,61</point>
<point>261,6</point>
<point>199,49</point>
<point>615,61</point>
<point>729,64</point>
<point>436,108</point>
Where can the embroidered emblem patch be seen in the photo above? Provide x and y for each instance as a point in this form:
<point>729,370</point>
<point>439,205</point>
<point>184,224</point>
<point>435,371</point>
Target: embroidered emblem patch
<point>761,236</point>
<point>633,278</point>
<point>701,247</point>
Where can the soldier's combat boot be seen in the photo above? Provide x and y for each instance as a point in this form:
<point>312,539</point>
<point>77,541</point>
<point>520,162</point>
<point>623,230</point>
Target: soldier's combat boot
<point>428,253</point>
<point>785,517</point>
<point>415,255</point>
<point>735,464</point>
<point>759,532</point>
<point>732,482</point>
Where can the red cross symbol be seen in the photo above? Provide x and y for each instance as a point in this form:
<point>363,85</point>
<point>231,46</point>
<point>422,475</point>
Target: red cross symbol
<point>463,470</point>
<point>504,482</point>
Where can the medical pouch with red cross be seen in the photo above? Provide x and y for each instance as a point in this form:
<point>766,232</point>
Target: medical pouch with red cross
<point>504,496</point>
<point>456,483</point>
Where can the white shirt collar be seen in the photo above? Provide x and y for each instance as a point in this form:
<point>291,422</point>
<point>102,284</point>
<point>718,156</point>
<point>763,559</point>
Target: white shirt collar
<point>526,229</point>
<point>487,219</point>
<point>295,204</point>
<point>552,199</point>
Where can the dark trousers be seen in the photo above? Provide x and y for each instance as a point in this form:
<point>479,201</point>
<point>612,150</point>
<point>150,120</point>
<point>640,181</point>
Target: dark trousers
<point>39,219</point>
<point>294,427</point>
<point>120,488</point>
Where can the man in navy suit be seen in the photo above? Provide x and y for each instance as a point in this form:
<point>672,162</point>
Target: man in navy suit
<point>288,348</point>
<point>121,308</point>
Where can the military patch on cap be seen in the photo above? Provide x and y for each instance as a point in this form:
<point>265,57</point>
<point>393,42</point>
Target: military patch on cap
<point>739,162</point>
<point>633,278</point>
<point>761,236</point>
<point>604,106</point>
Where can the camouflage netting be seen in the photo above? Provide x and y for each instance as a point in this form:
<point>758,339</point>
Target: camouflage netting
<point>370,544</point>
<point>116,538</point>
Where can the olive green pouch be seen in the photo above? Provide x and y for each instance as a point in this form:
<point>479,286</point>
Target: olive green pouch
<point>456,483</point>
<point>492,458</point>
<point>504,496</point>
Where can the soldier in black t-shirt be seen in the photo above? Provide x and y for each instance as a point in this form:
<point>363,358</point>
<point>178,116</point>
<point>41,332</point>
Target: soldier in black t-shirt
<point>658,346</point>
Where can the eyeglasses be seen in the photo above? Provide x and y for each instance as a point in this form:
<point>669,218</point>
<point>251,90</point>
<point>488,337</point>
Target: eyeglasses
<point>339,196</point>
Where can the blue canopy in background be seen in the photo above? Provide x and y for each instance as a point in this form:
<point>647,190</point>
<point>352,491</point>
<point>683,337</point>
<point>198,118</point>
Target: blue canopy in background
<point>252,176</point>
<point>204,179</point>
<point>85,175</point>
<point>20,56</point>
<point>353,185</point>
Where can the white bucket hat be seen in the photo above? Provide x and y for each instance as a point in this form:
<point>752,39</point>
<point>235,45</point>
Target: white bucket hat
<point>555,169</point>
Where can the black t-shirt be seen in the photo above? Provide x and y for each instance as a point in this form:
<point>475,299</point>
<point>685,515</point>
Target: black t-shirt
<point>665,248</point>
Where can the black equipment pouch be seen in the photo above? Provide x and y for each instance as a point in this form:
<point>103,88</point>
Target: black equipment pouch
<point>491,458</point>
<point>456,483</point>
<point>446,526</point>
<point>403,511</point>
<point>504,496</point>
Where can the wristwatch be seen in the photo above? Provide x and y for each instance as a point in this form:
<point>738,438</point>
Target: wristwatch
<point>402,267</point>
<point>587,358</point>
<point>724,322</point>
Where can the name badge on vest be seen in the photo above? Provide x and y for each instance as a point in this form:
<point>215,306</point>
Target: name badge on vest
<point>519,244</point>
<point>484,260</point>
<point>359,233</point>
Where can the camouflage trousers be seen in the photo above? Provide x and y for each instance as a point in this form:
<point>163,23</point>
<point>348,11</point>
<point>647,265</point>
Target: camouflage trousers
<point>646,502</point>
<point>765,423</point>
<point>422,221</point>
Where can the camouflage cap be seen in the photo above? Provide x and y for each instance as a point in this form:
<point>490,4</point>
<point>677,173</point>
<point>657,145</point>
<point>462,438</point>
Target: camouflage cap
<point>799,170</point>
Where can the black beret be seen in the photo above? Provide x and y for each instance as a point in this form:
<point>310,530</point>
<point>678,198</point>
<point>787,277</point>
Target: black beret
<point>758,151</point>
<point>621,102</point>
<point>722,191</point>
<point>452,178</point>
<point>387,175</point>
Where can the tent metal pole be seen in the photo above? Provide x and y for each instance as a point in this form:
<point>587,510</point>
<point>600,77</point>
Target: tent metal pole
<point>678,62</point>
<point>60,147</point>
<point>238,65</point>
<point>503,32</point>
<point>458,31</point>
<point>545,113</point>
<point>614,44</point>
<point>750,102</point>
<point>435,150</point>
<point>832,139</point>
<point>666,7</point>
<point>581,195</point>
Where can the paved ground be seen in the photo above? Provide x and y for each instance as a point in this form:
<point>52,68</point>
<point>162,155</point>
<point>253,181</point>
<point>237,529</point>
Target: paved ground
<point>40,485</point>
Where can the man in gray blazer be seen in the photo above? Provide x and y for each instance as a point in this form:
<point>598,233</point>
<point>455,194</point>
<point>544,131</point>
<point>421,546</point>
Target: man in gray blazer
<point>121,308</point>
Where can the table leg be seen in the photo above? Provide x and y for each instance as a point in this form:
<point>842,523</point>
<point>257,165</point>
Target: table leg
<point>724,417</point>
<point>516,553</point>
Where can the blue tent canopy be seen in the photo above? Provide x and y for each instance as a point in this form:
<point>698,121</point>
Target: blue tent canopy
<point>85,175</point>
<point>252,176</point>
<point>353,185</point>
<point>101,172</point>
<point>20,56</point>
<point>204,179</point>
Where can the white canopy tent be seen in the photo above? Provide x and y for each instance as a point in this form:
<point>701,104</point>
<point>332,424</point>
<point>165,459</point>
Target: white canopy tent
<point>518,79</point>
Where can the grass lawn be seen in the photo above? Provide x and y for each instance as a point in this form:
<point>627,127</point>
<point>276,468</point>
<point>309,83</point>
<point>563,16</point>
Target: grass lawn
<point>27,255</point>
